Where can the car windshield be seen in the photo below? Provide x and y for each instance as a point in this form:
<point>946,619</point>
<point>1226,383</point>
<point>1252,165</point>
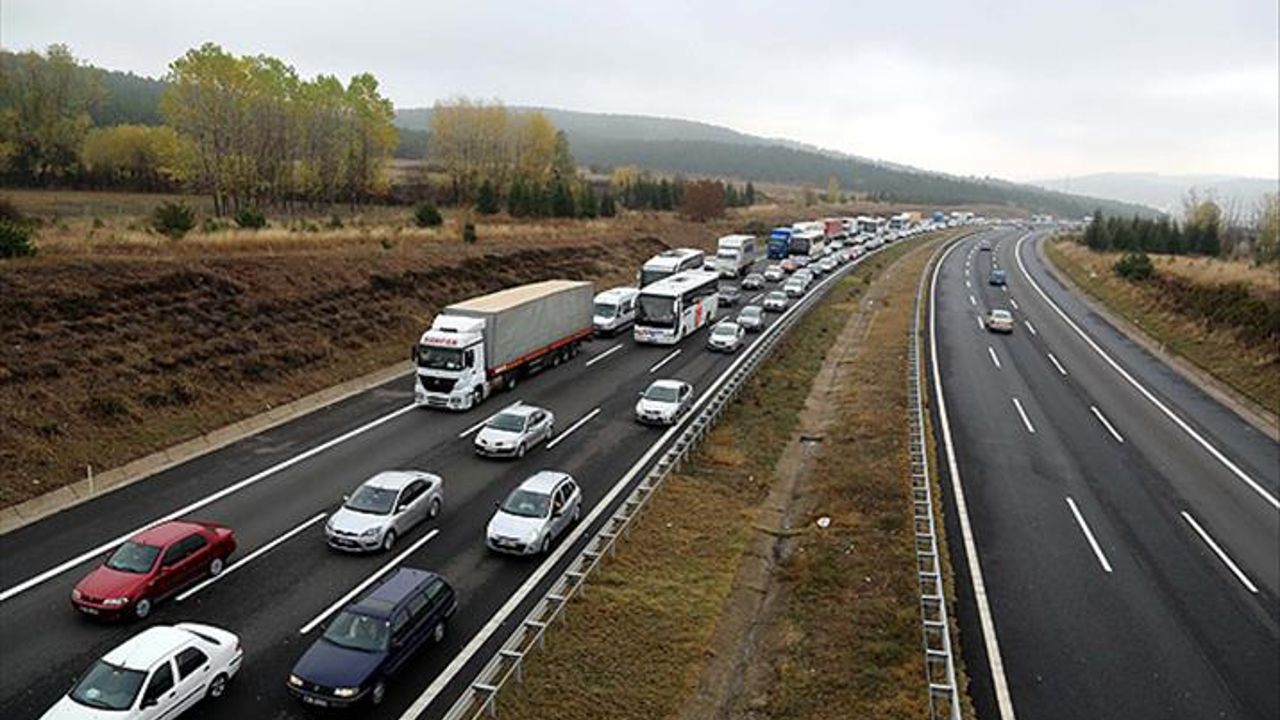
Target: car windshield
<point>750,311</point>
<point>1001,315</point>
<point>527,503</point>
<point>777,297</point>
<point>108,687</point>
<point>508,422</point>
<point>358,632</point>
<point>372,500</point>
<point>133,557</point>
<point>656,311</point>
<point>662,393</point>
<point>729,291</point>
<point>434,358</point>
<point>605,310</point>
<point>727,330</point>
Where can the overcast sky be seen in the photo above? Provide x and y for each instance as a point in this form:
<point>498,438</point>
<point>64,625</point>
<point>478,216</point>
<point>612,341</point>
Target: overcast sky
<point>1021,90</point>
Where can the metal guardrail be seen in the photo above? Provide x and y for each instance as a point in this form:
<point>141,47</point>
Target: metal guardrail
<point>940,670</point>
<point>480,697</point>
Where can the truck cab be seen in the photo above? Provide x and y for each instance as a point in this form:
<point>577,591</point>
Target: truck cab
<point>451,363</point>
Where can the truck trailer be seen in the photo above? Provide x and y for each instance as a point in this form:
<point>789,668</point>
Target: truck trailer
<point>478,346</point>
<point>735,254</point>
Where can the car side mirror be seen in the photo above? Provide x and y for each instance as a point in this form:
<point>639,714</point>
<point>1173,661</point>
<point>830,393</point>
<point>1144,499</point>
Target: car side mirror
<point>346,498</point>
<point>150,702</point>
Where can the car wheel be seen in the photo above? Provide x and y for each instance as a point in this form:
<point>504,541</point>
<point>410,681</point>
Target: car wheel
<point>434,510</point>
<point>142,609</point>
<point>388,541</point>
<point>217,686</point>
<point>438,634</point>
<point>215,567</point>
<point>577,512</point>
<point>378,693</point>
<point>546,545</point>
<point>520,450</point>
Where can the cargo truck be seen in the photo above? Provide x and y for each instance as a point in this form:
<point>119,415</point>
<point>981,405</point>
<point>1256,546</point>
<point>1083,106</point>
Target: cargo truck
<point>735,254</point>
<point>478,346</point>
<point>779,243</point>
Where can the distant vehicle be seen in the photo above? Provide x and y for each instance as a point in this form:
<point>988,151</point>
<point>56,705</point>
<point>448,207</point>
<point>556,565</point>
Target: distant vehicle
<point>774,273</point>
<point>371,639</point>
<point>709,265</point>
<point>828,264</point>
<point>802,260</point>
<point>870,225</point>
<point>668,263</point>
<point>161,672</point>
<point>939,218</point>
<point>999,321</point>
<point>512,432</point>
<point>794,287</point>
<point>998,277</point>
<point>614,310</point>
<point>807,242</point>
<point>819,267</point>
<point>789,265</point>
<point>478,346</point>
<point>805,276</point>
<point>151,566</point>
<point>534,514</point>
<point>754,281</point>
<point>776,301</point>
<point>664,401</point>
<point>729,295</point>
<point>671,309</point>
<point>779,245</point>
<point>383,508</point>
<point>735,254</point>
<point>726,336</point>
<point>984,246</point>
<point>751,318</point>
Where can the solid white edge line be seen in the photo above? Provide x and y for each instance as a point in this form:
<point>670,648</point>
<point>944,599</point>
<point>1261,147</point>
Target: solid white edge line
<point>1222,555</point>
<point>1088,534</point>
<point>252,556</point>
<point>1030,327</point>
<point>1000,684</point>
<point>337,604</point>
<point>994,359</point>
<point>1102,419</point>
<point>1215,452</point>
<point>203,502</point>
<point>1061,370</point>
<point>666,360</point>
<point>569,431</point>
<point>604,355</point>
<point>1023,414</point>
<point>499,617</point>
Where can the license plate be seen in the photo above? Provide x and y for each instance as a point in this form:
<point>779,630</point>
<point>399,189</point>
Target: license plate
<point>318,702</point>
<point>88,610</point>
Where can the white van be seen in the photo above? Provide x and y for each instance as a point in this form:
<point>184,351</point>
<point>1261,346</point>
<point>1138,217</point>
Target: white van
<point>614,310</point>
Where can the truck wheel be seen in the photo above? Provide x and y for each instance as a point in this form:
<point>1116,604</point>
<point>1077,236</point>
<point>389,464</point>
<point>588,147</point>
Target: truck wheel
<point>477,396</point>
<point>513,380</point>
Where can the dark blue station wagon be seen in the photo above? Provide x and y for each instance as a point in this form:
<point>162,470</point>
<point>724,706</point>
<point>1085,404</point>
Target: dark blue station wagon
<point>371,639</point>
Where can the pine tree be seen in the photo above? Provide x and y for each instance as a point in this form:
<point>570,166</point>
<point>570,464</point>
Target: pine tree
<point>561,200</point>
<point>487,199</point>
<point>517,198</point>
<point>607,207</point>
<point>751,193</point>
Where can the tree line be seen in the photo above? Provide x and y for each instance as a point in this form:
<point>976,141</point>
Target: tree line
<point>1206,229</point>
<point>245,130</point>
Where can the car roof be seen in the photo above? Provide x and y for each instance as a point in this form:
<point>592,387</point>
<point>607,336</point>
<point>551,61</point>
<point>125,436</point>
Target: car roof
<point>727,323</point>
<point>543,481</point>
<point>148,647</point>
<point>384,599</point>
<point>165,533</point>
<point>668,383</point>
<point>1001,311</point>
<point>392,479</point>
<point>617,293</point>
<point>519,409</point>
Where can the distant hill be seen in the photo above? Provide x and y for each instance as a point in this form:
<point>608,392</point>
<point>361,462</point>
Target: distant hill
<point>1166,192</point>
<point>696,148</point>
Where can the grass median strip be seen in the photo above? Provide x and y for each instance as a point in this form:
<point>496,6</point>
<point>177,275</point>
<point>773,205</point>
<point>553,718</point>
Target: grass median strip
<point>639,643</point>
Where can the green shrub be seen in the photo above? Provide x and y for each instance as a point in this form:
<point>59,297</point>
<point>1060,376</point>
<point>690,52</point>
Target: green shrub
<point>1135,267</point>
<point>173,219</point>
<point>468,232</point>
<point>426,215</point>
<point>17,239</point>
<point>251,219</point>
<point>335,222</point>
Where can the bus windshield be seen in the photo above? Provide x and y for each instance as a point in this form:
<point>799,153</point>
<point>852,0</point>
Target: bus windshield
<point>649,277</point>
<point>656,311</point>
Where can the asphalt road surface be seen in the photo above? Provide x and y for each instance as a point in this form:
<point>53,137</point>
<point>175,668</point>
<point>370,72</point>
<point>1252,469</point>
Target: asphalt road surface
<point>276,482</point>
<point>1126,524</point>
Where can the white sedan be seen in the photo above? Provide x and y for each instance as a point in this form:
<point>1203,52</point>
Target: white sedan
<point>159,673</point>
<point>726,336</point>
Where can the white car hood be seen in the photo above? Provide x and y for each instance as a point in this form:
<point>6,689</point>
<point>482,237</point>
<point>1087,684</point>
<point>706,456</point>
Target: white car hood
<point>514,526</point>
<point>356,522</point>
<point>68,709</point>
<point>722,340</point>
<point>493,436</point>
<point>649,407</point>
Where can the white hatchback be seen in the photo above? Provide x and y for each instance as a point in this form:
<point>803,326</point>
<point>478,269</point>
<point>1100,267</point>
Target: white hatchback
<point>159,673</point>
<point>534,514</point>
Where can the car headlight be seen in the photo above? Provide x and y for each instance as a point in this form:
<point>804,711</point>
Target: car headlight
<point>371,532</point>
<point>346,692</point>
<point>295,681</point>
<point>75,593</point>
<point>116,601</point>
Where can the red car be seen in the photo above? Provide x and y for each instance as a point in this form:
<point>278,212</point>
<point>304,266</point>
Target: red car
<point>152,565</point>
<point>790,265</point>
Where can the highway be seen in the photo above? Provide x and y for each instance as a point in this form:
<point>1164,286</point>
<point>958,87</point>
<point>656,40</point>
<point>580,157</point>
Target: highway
<point>1125,523</point>
<point>273,489</point>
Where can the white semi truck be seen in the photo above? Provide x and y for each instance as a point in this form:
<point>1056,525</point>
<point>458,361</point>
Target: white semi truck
<point>478,346</point>
<point>735,254</point>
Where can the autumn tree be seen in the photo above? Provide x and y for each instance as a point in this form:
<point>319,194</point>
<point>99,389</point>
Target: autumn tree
<point>703,200</point>
<point>138,156</point>
<point>46,115</point>
<point>833,190</point>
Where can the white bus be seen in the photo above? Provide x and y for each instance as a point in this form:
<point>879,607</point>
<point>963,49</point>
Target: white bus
<point>870,225</point>
<point>668,263</point>
<point>735,254</point>
<point>671,309</point>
